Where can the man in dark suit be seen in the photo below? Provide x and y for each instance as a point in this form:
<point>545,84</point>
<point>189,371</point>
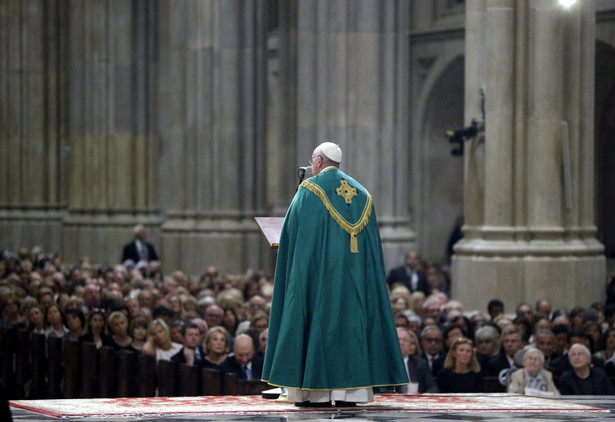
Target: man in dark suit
<point>139,249</point>
<point>417,368</point>
<point>409,274</point>
<point>243,362</point>
<point>433,348</point>
<point>511,343</point>
<point>192,352</point>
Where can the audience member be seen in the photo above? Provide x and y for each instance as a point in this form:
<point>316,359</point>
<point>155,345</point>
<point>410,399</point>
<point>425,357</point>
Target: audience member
<point>560,332</point>
<point>461,372</point>
<point>543,307</point>
<point>213,315</point>
<point>216,347</point>
<point>545,342</point>
<point>54,322</point>
<point>118,338</point>
<point>243,361</point>
<point>495,307</point>
<point>192,352</point>
<point>176,328</point>
<point>410,274</point>
<point>433,347</point>
<point>75,322</point>
<point>96,328</point>
<point>139,249</point>
<point>487,340</point>
<point>576,317</point>
<point>511,343</point>
<point>524,310</point>
<point>607,345</point>
<point>574,336</point>
<point>230,321</point>
<point>159,342</point>
<point>419,374</point>
<point>36,319</point>
<point>138,332</point>
<point>532,379</point>
<point>11,315</point>
<point>583,379</point>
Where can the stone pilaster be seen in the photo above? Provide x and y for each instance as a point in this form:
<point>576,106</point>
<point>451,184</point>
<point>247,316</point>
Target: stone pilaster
<point>212,127</point>
<point>113,152</point>
<point>32,165</point>
<point>529,214</point>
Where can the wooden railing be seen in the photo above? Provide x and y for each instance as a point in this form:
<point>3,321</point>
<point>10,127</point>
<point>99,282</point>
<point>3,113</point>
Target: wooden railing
<point>35,367</point>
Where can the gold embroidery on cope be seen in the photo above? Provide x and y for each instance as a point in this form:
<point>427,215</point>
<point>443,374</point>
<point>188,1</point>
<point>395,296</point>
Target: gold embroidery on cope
<point>351,228</point>
<point>346,191</point>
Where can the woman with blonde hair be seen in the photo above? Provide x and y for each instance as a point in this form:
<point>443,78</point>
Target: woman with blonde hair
<point>416,302</point>
<point>118,337</point>
<point>159,342</point>
<point>216,347</point>
<point>461,372</point>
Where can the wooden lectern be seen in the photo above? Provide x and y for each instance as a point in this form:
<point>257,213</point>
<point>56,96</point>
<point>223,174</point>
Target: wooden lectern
<point>271,228</point>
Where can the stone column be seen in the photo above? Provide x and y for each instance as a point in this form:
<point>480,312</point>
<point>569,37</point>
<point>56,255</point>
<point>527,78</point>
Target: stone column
<point>109,72</point>
<point>32,200</point>
<point>529,209</point>
<point>346,84</point>
<point>212,126</point>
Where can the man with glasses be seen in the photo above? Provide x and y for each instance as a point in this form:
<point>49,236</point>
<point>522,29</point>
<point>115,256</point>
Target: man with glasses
<point>332,335</point>
<point>433,347</point>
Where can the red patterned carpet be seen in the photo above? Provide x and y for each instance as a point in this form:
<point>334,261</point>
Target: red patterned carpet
<point>248,405</point>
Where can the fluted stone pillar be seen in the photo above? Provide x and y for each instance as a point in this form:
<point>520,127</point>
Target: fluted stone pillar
<point>109,70</point>
<point>529,184</point>
<point>346,84</point>
<point>32,164</point>
<point>212,127</point>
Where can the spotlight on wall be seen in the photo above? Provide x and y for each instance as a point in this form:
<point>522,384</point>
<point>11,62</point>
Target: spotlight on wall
<point>476,129</point>
<point>567,3</point>
<point>459,136</point>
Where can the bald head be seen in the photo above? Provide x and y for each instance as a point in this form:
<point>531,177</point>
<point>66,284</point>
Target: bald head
<point>243,348</point>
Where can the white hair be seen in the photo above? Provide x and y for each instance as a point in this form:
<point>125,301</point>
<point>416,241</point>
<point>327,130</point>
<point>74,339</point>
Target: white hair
<point>582,347</point>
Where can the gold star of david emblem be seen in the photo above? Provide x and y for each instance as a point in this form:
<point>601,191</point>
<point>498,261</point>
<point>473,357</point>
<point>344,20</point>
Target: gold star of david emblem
<point>346,191</point>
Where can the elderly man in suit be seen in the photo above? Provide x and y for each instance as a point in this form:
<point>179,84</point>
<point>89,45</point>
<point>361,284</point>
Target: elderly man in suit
<point>410,274</point>
<point>243,362</point>
<point>139,249</point>
<point>421,380</point>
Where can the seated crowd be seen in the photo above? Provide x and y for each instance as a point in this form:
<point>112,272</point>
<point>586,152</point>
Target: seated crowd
<point>220,321</point>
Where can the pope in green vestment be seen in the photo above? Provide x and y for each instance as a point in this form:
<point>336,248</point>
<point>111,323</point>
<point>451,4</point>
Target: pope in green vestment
<point>331,325</point>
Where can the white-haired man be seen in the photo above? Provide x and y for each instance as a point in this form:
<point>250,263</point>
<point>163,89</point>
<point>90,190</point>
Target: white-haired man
<point>139,250</point>
<point>330,295</point>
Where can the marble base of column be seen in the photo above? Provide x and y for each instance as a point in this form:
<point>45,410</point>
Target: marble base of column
<point>567,272</point>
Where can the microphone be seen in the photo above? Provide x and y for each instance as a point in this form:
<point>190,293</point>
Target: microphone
<point>302,171</point>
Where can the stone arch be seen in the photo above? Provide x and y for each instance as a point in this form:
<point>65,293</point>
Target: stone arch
<point>605,146</point>
<point>438,176</point>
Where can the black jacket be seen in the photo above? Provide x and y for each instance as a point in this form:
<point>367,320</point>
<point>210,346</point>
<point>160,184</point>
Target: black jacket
<point>399,275</point>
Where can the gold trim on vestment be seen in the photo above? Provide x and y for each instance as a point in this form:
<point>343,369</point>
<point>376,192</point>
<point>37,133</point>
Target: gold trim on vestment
<point>351,229</point>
